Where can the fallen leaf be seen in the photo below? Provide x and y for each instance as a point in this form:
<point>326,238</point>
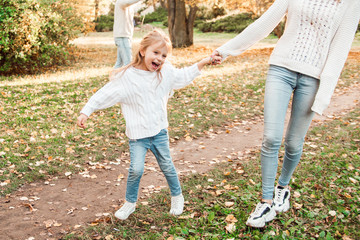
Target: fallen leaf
<point>353,180</point>
<point>230,227</point>
<point>252,182</point>
<point>332,213</point>
<point>230,219</point>
<point>297,205</point>
<point>27,149</point>
<point>188,139</point>
<point>28,205</point>
<point>296,194</point>
<point>48,223</point>
<point>347,195</point>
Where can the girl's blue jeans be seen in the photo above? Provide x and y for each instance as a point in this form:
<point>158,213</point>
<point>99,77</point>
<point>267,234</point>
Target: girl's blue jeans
<point>123,45</point>
<point>281,84</point>
<point>159,145</point>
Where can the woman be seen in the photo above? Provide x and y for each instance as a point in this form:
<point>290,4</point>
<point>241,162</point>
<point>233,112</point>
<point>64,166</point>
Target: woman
<point>306,63</point>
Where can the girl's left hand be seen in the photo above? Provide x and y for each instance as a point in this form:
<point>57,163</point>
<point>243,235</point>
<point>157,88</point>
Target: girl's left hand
<point>81,120</point>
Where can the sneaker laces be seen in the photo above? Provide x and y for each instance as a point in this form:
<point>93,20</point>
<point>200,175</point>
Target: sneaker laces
<point>127,206</point>
<point>279,194</point>
<point>260,207</point>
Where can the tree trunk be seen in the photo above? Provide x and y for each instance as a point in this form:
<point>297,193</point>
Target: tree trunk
<point>181,26</point>
<point>97,8</point>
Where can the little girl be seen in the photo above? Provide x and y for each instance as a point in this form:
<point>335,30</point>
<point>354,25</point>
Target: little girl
<point>143,88</point>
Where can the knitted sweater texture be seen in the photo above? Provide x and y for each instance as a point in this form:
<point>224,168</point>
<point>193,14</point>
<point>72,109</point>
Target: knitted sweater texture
<point>316,40</point>
<point>143,97</point>
<point>124,18</point>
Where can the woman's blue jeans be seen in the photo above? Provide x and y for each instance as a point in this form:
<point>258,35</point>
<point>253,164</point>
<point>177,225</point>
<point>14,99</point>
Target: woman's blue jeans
<point>281,84</point>
<point>159,145</point>
<point>123,45</point>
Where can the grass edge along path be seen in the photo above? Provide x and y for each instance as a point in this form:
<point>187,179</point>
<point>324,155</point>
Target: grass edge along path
<point>325,197</point>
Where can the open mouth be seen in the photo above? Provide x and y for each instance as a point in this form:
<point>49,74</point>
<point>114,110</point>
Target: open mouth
<point>156,65</point>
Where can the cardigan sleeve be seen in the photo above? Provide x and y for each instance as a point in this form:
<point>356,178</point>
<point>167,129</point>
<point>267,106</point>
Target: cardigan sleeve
<point>337,56</point>
<point>109,95</point>
<point>126,3</point>
<point>256,31</point>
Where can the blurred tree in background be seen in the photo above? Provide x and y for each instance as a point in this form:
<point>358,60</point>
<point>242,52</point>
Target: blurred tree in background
<point>35,34</point>
<point>182,14</point>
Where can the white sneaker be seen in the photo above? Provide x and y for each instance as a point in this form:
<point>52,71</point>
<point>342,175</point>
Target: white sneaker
<point>263,213</point>
<point>177,205</point>
<point>124,212</point>
<point>281,199</point>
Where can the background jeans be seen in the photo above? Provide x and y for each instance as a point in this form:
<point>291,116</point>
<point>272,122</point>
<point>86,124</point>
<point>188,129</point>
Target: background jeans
<point>123,51</point>
<point>281,84</point>
<point>159,145</point>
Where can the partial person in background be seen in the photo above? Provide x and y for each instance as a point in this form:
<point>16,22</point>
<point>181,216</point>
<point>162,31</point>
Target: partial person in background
<point>123,30</point>
<point>305,65</point>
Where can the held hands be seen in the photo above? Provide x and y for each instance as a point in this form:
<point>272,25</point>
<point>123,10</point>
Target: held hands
<point>215,58</point>
<point>81,120</point>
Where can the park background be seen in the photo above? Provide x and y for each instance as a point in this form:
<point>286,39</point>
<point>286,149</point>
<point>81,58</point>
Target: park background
<point>56,54</point>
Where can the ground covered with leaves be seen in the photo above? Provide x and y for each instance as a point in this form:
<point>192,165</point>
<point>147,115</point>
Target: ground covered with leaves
<point>39,141</point>
<point>325,197</point>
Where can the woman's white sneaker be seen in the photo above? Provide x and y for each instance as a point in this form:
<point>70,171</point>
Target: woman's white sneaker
<point>281,200</point>
<point>264,212</point>
<point>177,205</point>
<point>124,212</point>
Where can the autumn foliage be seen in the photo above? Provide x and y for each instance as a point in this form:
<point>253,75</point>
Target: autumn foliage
<point>34,34</point>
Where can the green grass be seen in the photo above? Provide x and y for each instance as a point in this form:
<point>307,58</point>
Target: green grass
<point>356,42</point>
<point>325,197</point>
<point>39,136</point>
<point>39,139</point>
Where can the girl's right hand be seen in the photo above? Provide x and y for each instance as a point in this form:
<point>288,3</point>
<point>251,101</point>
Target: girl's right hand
<point>81,120</point>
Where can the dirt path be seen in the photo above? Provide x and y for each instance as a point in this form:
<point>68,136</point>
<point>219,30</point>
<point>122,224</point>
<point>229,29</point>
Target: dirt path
<point>48,209</point>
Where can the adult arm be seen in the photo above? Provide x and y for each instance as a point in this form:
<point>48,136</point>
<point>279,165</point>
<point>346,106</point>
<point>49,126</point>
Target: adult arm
<point>337,56</point>
<point>256,31</point>
<point>126,3</point>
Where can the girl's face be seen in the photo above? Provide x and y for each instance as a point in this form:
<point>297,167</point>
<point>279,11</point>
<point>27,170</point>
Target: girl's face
<point>154,57</point>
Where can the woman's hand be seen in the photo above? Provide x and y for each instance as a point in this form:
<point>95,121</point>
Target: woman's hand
<point>216,54</point>
<point>81,120</point>
<point>216,58</point>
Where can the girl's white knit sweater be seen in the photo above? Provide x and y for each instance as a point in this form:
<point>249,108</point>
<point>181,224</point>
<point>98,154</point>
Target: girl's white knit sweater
<point>316,40</point>
<point>143,97</point>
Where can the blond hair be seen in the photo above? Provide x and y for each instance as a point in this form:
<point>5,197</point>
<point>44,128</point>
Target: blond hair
<point>153,37</point>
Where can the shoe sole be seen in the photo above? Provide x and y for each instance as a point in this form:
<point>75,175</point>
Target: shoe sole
<point>262,224</point>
